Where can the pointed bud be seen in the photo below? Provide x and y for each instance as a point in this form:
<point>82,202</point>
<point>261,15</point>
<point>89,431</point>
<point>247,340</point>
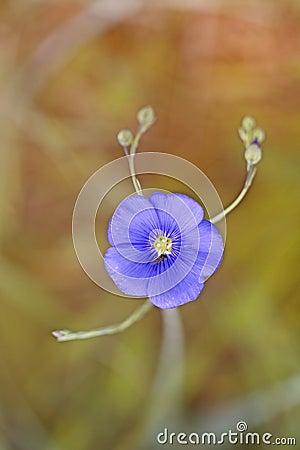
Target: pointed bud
<point>248,123</point>
<point>258,135</point>
<point>146,116</point>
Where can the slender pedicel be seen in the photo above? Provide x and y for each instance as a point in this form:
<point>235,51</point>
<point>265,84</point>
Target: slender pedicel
<point>146,118</point>
<point>252,139</point>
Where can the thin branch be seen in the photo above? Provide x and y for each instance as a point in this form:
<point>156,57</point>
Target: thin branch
<point>67,335</point>
<point>133,149</point>
<point>146,118</point>
<point>251,172</point>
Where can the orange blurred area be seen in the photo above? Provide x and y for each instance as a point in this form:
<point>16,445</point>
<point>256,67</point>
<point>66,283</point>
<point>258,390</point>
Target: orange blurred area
<point>72,74</point>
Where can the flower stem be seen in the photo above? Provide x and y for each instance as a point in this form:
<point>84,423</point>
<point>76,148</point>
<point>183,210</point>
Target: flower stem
<point>133,149</point>
<point>168,383</point>
<point>146,118</point>
<point>251,172</point>
<point>165,400</point>
<point>67,335</point>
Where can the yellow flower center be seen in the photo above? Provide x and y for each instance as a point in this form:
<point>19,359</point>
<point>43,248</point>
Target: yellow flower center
<point>163,245</point>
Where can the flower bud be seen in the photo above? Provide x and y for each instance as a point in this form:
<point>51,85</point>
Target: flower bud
<point>253,154</point>
<point>242,134</point>
<point>258,135</point>
<point>248,123</point>
<point>125,138</point>
<point>146,116</point>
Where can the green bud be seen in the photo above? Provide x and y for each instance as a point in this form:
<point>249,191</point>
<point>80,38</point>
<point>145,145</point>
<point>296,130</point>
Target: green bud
<point>146,116</point>
<point>258,134</point>
<point>248,123</point>
<point>253,154</point>
<point>125,138</point>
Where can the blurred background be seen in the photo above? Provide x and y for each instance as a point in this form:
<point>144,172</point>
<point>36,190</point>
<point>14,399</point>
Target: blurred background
<point>72,73</point>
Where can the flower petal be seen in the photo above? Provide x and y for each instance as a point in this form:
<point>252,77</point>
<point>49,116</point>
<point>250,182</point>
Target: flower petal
<point>186,213</point>
<point>130,227</point>
<point>144,229</point>
<point>174,274</point>
<point>187,270</point>
<point>194,206</point>
<point>125,212</point>
<point>211,250</point>
<point>132,278</point>
<point>185,291</point>
<point>125,273</point>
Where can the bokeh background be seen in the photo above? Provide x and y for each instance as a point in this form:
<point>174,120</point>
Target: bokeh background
<point>72,73</point>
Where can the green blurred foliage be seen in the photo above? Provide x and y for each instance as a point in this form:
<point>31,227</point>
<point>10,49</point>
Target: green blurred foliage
<point>67,87</point>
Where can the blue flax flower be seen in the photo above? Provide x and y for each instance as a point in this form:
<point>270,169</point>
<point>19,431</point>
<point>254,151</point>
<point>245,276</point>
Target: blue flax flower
<point>162,248</point>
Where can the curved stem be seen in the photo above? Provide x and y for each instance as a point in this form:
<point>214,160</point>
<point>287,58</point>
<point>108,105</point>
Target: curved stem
<point>146,118</point>
<point>130,157</point>
<point>251,171</point>
<point>67,335</point>
<point>135,181</point>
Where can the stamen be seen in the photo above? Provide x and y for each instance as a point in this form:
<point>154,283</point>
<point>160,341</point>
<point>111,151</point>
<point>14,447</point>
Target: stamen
<point>163,245</point>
